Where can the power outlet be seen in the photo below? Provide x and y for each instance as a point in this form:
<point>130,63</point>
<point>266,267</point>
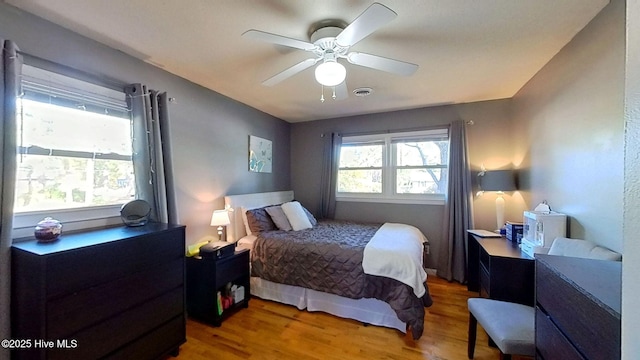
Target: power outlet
<point>427,249</point>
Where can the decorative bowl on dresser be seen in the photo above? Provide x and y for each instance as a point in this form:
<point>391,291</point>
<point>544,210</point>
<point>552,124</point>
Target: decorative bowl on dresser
<point>113,293</point>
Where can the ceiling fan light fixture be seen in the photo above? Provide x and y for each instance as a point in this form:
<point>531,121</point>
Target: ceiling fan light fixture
<point>330,73</point>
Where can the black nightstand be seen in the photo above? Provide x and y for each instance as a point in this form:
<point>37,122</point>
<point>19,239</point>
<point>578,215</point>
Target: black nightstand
<point>207,277</point>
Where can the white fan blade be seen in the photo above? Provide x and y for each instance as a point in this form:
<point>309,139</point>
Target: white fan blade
<point>278,39</point>
<point>369,21</point>
<point>290,72</point>
<point>341,91</point>
<point>381,63</point>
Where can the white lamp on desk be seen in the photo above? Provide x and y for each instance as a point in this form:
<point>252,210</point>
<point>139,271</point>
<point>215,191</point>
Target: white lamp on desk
<point>499,181</point>
<point>220,218</point>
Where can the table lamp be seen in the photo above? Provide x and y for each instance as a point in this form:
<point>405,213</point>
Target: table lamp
<point>220,218</point>
<point>499,181</point>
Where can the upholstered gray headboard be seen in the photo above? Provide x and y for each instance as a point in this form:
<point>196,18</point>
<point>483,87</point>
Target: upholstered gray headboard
<point>236,229</point>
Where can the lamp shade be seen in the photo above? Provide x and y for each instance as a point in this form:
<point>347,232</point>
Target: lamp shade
<point>220,218</point>
<point>330,73</point>
<point>498,180</point>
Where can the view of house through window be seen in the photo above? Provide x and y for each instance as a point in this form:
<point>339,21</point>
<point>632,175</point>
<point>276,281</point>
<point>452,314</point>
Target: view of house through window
<point>74,146</point>
<point>400,166</point>
<point>421,166</point>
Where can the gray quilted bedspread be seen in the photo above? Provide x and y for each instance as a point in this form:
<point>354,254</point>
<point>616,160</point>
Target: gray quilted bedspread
<point>328,258</point>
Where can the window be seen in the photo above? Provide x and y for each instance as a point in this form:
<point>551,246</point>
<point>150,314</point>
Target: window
<point>74,149</point>
<point>361,167</point>
<point>400,167</point>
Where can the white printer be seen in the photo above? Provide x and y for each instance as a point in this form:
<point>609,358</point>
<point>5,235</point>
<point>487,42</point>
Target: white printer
<point>540,228</point>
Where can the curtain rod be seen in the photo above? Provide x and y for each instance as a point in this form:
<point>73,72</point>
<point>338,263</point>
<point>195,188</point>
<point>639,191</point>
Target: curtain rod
<point>388,131</point>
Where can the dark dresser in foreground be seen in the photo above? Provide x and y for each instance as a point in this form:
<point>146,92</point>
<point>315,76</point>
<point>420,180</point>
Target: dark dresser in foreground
<point>114,293</point>
<point>578,304</point>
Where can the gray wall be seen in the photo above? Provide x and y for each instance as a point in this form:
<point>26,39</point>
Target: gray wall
<point>581,117</point>
<point>489,143</point>
<point>209,132</point>
<point>631,225</point>
<point>570,122</point>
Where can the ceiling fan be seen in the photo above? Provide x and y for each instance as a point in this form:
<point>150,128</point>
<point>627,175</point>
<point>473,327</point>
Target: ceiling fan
<point>330,41</point>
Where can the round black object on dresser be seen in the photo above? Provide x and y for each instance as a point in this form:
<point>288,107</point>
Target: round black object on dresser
<point>135,212</point>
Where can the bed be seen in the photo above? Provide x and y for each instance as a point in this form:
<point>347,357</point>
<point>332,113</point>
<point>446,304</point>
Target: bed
<point>338,287</point>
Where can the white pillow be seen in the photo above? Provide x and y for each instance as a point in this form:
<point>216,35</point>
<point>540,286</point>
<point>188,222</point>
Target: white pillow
<point>245,221</point>
<point>296,215</point>
<point>583,249</point>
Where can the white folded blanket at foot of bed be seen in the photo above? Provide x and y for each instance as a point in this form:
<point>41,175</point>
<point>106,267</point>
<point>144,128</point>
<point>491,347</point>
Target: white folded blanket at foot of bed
<point>395,251</point>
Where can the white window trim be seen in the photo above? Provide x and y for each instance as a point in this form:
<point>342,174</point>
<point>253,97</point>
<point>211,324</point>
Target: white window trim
<point>389,196</point>
<point>72,219</point>
<point>435,199</point>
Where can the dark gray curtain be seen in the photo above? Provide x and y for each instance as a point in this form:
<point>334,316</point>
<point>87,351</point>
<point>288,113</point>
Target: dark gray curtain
<point>331,161</point>
<point>152,151</point>
<point>458,209</point>
<point>9,90</point>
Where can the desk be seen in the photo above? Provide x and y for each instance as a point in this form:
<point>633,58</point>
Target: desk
<point>497,269</point>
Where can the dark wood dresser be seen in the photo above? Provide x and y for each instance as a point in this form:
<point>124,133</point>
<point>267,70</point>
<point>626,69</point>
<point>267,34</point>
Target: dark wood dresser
<point>114,293</point>
<point>578,303</point>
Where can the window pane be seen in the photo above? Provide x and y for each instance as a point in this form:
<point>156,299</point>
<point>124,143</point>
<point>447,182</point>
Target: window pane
<point>353,156</point>
<point>360,181</point>
<point>62,128</point>
<point>422,153</point>
<point>71,158</point>
<point>54,182</point>
<point>421,181</point>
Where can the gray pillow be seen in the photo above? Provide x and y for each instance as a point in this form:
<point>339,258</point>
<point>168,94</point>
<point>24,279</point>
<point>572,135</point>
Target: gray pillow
<point>279,218</point>
<point>312,219</point>
<point>259,221</point>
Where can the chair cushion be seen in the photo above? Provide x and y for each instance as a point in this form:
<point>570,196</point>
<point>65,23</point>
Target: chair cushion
<point>511,326</point>
<point>582,249</point>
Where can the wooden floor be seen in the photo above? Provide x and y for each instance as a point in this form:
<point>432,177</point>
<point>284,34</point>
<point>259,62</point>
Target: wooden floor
<point>268,330</point>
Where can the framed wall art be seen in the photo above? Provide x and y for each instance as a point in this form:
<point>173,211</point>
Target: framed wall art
<point>260,154</point>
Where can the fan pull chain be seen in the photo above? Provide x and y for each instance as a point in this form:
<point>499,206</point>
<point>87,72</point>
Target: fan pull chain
<point>322,96</point>
<point>334,93</point>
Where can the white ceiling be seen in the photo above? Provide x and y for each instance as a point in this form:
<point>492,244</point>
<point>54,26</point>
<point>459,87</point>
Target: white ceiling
<point>467,50</point>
